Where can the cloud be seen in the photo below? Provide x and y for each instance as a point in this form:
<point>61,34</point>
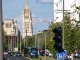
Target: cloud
<point>19,22</point>
<point>34,15</point>
<point>40,23</point>
<point>46,1</point>
<point>19,18</point>
<point>7,9</point>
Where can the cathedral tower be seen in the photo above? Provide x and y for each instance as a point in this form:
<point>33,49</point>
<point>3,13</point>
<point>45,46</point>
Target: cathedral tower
<point>27,21</point>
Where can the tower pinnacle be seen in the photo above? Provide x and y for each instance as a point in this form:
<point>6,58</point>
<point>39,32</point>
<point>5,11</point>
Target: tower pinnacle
<point>27,2</point>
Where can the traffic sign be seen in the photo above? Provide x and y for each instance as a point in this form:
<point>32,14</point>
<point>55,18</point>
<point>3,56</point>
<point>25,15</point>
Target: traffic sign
<point>65,53</point>
<point>60,55</point>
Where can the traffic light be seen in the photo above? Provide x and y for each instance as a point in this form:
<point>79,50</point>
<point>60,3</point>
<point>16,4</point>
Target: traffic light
<point>58,39</point>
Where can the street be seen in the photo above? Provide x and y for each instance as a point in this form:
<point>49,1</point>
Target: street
<point>17,58</point>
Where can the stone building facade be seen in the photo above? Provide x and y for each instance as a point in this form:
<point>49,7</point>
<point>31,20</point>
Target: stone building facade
<point>11,29</point>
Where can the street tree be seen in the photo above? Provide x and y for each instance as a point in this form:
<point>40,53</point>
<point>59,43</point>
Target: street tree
<point>5,45</point>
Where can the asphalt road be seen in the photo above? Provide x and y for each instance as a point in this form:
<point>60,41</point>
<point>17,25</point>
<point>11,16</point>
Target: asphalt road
<point>17,58</point>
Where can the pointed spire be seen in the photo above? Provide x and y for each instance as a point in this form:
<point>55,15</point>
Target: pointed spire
<point>27,7</point>
<point>26,2</point>
<point>23,7</point>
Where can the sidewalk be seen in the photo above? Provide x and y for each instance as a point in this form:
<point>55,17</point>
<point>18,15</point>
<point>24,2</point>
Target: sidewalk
<point>44,58</point>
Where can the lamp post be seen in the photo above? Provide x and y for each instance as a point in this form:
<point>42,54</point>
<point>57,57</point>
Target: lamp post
<point>26,39</point>
<point>63,27</point>
<point>35,30</point>
<point>45,46</point>
<point>12,41</point>
<point>20,43</point>
<point>1,42</point>
<point>17,40</point>
<point>25,34</point>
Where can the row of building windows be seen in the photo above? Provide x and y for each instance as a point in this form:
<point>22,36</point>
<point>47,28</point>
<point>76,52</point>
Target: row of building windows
<point>8,25</point>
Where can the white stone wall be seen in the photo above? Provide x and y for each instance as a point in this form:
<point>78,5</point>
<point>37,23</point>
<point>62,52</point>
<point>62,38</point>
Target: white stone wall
<point>74,11</point>
<point>58,5</point>
<point>8,26</point>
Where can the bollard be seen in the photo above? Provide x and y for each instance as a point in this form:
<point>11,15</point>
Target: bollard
<point>40,58</point>
<point>71,56</point>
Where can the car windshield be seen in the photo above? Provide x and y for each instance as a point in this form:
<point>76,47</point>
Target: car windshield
<point>9,52</point>
<point>18,53</point>
<point>33,51</point>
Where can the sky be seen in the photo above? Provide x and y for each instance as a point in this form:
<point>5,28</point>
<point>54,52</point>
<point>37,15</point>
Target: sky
<point>42,9</point>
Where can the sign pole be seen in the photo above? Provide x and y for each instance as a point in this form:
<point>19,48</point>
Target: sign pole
<point>1,27</point>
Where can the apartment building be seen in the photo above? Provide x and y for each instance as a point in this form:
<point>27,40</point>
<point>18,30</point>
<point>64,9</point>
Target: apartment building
<point>11,29</point>
<point>58,9</point>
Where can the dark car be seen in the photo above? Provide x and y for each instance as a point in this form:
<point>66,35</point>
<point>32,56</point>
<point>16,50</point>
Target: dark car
<point>34,53</point>
<point>66,58</point>
<point>18,54</point>
<point>5,58</point>
<point>10,53</point>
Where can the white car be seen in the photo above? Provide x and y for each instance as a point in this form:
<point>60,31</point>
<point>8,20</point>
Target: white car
<point>5,54</point>
<point>50,55</point>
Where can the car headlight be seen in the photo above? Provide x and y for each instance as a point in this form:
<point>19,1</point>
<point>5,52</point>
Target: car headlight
<point>32,54</point>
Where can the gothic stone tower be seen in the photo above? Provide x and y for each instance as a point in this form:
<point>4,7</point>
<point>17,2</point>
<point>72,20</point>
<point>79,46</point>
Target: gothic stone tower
<point>27,21</point>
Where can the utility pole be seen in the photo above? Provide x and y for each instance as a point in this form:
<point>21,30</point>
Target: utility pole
<point>11,42</point>
<point>1,27</point>
<point>45,46</point>
<point>26,39</point>
<point>20,43</point>
<point>35,30</point>
<point>63,27</point>
<point>17,39</point>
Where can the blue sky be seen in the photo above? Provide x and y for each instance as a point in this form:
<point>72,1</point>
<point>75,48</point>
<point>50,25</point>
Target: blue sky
<point>42,9</point>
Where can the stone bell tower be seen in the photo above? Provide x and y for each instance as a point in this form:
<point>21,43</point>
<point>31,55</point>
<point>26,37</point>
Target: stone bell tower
<point>27,21</point>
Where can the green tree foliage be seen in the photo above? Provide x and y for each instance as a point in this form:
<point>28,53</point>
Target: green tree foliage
<point>31,41</point>
<point>71,36</point>
<point>67,32</point>
<point>5,45</point>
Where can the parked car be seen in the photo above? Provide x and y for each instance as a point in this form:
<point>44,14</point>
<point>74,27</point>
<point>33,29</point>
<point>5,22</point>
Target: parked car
<point>34,53</point>
<point>5,58</point>
<point>66,57</point>
<point>10,53</point>
<point>18,54</point>
<point>76,55</point>
<point>47,53</point>
<point>5,54</point>
<point>50,55</point>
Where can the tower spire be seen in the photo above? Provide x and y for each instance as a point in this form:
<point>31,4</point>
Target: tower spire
<point>27,2</point>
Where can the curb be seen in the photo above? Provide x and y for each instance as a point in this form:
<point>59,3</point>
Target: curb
<point>29,58</point>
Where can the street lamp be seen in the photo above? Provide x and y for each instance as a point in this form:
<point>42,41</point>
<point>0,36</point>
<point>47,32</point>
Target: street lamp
<point>1,42</point>
<point>11,40</point>
<point>20,43</point>
<point>25,39</point>
<point>17,40</point>
<point>45,46</point>
<point>35,30</point>
<point>63,27</point>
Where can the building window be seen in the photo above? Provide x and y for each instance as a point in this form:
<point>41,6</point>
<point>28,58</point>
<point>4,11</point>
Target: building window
<point>7,25</point>
<point>10,25</point>
<point>26,24</point>
<point>26,17</point>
